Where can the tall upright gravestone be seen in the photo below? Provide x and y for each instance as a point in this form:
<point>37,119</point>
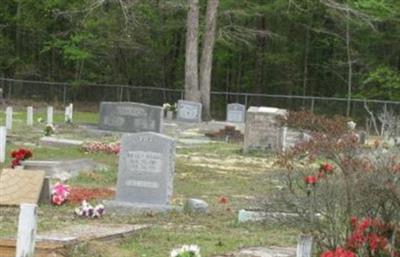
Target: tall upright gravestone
<point>131,117</point>
<point>145,172</point>
<point>189,111</point>
<point>262,130</point>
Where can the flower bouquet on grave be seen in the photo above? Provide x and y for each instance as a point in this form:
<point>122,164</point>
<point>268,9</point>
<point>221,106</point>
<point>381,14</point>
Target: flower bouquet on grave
<point>186,251</point>
<point>88,211</point>
<point>20,155</point>
<point>60,193</point>
<point>49,130</point>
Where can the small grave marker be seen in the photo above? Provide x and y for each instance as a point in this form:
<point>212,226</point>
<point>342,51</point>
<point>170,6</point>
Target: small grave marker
<point>50,115</point>
<point>189,111</point>
<point>235,113</point>
<point>29,116</point>
<point>3,141</point>
<point>9,117</point>
<point>304,246</point>
<point>26,230</point>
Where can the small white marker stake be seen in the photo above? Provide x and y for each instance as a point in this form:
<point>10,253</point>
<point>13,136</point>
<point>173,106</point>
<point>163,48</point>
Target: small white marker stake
<point>26,230</point>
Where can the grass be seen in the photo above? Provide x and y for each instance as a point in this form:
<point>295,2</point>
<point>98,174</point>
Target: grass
<point>207,172</point>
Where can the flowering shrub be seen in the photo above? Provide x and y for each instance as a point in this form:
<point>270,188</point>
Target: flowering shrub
<point>49,130</point>
<point>186,251</point>
<point>60,193</point>
<point>352,181</point>
<point>20,155</point>
<point>95,147</point>
<point>88,211</point>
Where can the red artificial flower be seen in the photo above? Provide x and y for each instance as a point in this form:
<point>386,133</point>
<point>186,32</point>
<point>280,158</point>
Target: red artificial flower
<point>223,200</point>
<point>326,167</point>
<point>310,180</point>
<point>15,162</point>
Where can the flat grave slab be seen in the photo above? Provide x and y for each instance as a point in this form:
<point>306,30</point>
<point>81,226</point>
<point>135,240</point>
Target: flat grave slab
<point>62,169</point>
<point>53,141</point>
<point>20,186</point>
<point>56,243</point>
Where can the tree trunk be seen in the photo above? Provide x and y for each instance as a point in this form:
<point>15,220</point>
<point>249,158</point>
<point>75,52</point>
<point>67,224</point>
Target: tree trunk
<point>192,92</point>
<point>349,62</point>
<point>260,59</point>
<point>207,56</point>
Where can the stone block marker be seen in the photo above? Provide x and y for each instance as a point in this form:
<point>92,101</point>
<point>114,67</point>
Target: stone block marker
<point>235,113</point>
<point>262,130</point>
<point>131,117</point>
<point>189,111</point>
<point>29,116</point>
<point>27,223</point>
<point>145,172</point>
<point>3,142</point>
<point>9,117</point>
<point>50,111</point>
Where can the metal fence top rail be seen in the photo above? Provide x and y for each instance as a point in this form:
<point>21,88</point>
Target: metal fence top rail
<point>65,84</point>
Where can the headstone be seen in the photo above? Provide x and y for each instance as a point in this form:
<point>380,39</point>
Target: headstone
<point>26,230</point>
<point>29,116</point>
<point>145,172</point>
<point>283,134</point>
<point>189,111</point>
<point>3,141</point>
<point>196,206</point>
<point>67,115</point>
<point>262,130</point>
<point>131,117</point>
<point>304,246</point>
<point>50,115</point>
<point>20,186</point>
<point>9,117</point>
<point>71,112</point>
<point>363,137</point>
<point>235,113</point>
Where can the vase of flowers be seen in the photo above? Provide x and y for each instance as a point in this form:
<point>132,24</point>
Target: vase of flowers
<point>169,111</point>
<point>49,130</point>
<point>186,251</point>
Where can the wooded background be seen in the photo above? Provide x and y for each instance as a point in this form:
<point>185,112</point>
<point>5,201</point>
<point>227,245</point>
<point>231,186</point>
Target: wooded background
<point>295,47</point>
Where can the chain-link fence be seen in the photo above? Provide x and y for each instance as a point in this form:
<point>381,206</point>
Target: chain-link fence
<point>96,93</point>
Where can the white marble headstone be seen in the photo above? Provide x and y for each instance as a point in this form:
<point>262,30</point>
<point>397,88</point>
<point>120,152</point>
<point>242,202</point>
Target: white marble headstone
<point>29,116</point>
<point>235,113</point>
<point>50,115</point>
<point>189,111</point>
<point>3,138</point>
<point>9,117</point>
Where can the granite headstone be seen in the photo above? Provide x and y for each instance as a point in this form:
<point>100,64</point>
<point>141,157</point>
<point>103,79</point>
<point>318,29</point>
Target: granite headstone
<point>189,111</point>
<point>130,117</point>
<point>145,172</point>
<point>235,113</point>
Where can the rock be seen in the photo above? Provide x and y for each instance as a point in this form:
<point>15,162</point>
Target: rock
<point>196,206</point>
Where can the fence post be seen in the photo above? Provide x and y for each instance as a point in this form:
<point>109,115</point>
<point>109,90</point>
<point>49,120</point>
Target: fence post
<point>312,104</point>
<point>65,95</point>
<point>26,230</point>
<point>246,100</point>
<point>121,95</point>
<point>182,95</point>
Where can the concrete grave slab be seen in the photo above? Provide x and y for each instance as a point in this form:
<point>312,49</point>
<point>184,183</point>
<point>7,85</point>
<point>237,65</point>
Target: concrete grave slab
<point>20,186</point>
<point>53,141</point>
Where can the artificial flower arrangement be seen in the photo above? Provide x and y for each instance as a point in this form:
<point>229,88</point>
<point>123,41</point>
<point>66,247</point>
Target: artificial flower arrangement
<point>88,211</point>
<point>94,147</point>
<point>169,107</point>
<point>20,155</point>
<point>49,130</point>
<point>60,193</point>
<point>186,251</point>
